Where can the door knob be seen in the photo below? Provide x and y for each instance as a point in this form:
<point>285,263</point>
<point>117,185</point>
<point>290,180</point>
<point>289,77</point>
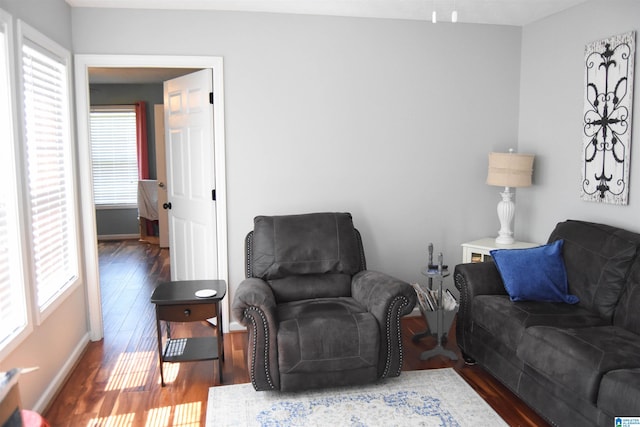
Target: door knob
<point>166,205</point>
<point>161,185</point>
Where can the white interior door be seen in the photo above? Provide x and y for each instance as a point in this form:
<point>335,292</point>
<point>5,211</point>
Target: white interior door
<point>191,183</point>
<point>161,172</point>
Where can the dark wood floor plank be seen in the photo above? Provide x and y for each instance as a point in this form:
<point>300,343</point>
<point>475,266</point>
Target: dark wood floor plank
<point>116,382</point>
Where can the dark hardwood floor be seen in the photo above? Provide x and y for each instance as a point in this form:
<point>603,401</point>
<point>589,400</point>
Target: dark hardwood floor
<point>116,382</point>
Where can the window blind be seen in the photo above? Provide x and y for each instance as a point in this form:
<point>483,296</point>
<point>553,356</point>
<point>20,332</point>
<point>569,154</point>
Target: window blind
<point>114,155</point>
<point>49,171</point>
<point>12,301</point>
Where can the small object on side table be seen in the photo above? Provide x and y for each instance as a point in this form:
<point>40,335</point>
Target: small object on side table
<point>190,301</point>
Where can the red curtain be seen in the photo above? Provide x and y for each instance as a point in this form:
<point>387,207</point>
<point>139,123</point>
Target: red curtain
<point>143,157</point>
<point>141,133</point>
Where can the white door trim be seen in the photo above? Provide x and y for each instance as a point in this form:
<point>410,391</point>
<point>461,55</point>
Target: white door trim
<point>82,65</point>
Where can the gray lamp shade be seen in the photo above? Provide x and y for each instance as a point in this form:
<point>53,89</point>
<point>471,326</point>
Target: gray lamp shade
<point>510,169</point>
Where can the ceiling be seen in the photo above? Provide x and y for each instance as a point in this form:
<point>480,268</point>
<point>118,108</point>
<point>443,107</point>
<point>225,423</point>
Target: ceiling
<point>498,12</point>
<point>110,75</point>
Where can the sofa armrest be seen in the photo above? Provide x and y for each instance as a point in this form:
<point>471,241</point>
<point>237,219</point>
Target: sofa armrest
<point>388,299</point>
<point>254,306</point>
<point>481,278</point>
<point>471,280</point>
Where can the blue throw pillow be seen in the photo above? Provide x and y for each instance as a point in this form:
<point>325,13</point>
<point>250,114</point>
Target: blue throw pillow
<point>535,274</point>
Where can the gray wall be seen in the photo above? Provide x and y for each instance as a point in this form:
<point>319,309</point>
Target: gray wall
<point>551,117</point>
<point>111,222</point>
<point>51,17</point>
<point>391,120</point>
<point>57,340</point>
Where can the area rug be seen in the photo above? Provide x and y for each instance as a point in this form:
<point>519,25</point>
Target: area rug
<point>434,397</point>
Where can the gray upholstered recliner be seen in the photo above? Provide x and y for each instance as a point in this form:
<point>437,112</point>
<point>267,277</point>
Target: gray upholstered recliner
<point>315,316</point>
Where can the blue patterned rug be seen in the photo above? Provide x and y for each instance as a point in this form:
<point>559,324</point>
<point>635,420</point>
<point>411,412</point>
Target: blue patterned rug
<point>434,397</point>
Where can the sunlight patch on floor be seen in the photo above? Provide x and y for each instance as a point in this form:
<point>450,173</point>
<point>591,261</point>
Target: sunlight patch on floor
<point>131,370</point>
<point>170,372</point>
<point>158,417</point>
<point>122,420</point>
<point>187,415</point>
<point>183,415</point>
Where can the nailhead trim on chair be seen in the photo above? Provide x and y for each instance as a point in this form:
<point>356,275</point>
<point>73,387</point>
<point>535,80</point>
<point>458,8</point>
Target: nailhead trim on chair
<point>402,301</point>
<point>255,346</point>
<point>249,248</point>
<point>463,311</point>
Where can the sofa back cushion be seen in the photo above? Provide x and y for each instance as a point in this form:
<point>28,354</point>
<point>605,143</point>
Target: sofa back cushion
<point>627,313</point>
<point>300,245</point>
<point>597,258</point>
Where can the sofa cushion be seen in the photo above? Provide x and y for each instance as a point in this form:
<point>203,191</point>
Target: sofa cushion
<point>534,274</point>
<point>597,258</point>
<point>627,314</point>
<point>507,320</point>
<point>619,394</point>
<point>325,335</point>
<point>579,357</point>
<point>315,243</point>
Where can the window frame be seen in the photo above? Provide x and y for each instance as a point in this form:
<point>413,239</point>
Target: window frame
<point>22,332</point>
<point>30,36</point>
<point>122,205</point>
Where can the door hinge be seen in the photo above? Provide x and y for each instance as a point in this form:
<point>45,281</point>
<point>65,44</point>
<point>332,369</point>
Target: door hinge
<point>213,194</point>
<point>210,97</point>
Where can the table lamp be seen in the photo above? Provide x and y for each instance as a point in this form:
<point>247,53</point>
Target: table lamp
<point>508,170</point>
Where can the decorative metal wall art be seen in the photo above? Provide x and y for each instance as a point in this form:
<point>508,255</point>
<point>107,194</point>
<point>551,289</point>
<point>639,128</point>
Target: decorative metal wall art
<point>608,96</point>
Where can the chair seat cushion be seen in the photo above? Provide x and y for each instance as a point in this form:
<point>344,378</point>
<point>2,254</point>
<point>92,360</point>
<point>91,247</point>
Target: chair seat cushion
<point>579,357</point>
<point>326,335</point>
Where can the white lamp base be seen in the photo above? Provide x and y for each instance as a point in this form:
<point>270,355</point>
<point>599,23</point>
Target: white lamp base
<point>506,212</point>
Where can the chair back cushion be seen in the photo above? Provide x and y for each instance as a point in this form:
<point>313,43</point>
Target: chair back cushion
<point>297,251</point>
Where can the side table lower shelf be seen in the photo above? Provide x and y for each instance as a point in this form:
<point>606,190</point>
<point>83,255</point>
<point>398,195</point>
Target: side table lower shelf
<point>190,349</point>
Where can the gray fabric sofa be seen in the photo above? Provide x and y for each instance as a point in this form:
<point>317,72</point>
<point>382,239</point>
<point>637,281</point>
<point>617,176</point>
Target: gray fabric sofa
<point>316,317</point>
<point>574,364</point>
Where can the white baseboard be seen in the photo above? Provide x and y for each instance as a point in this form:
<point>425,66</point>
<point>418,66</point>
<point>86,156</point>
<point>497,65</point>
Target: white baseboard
<point>236,326</point>
<point>58,381</point>
<point>118,236</point>
<point>415,312</point>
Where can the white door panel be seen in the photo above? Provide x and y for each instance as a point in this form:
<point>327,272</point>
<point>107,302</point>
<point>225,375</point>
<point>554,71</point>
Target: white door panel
<point>161,171</point>
<point>191,176</point>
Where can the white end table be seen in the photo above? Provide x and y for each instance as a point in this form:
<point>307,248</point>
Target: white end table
<point>478,250</point>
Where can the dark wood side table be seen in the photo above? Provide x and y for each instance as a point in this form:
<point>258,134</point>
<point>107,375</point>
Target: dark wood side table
<point>177,302</point>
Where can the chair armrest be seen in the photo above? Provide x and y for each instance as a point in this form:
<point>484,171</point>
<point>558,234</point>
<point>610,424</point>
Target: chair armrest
<point>254,305</point>
<point>482,278</point>
<point>253,292</point>
<point>388,299</point>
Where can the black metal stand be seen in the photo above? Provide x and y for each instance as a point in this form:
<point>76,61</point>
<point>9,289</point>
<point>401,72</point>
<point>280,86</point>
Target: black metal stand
<point>439,317</point>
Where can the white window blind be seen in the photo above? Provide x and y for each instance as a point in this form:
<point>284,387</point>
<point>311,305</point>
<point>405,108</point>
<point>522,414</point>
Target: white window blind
<point>13,314</point>
<point>114,155</point>
<point>51,196</point>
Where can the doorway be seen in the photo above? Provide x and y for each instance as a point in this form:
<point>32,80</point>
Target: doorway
<point>83,63</point>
